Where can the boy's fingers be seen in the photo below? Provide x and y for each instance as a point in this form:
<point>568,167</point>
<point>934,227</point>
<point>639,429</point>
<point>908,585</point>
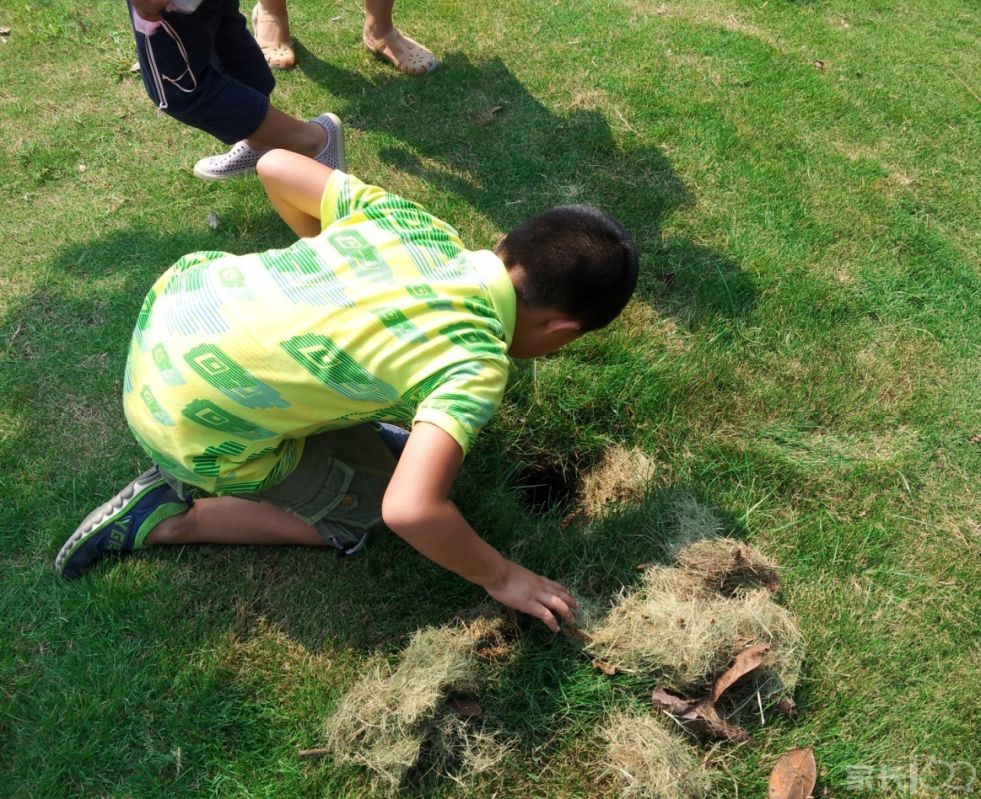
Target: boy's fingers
<point>558,588</point>
<point>559,606</point>
<point>565,595</point>
<point>545,615</point>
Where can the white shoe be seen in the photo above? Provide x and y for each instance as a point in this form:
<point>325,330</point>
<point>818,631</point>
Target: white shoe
<point>333,153</point>
<point>240,160</point>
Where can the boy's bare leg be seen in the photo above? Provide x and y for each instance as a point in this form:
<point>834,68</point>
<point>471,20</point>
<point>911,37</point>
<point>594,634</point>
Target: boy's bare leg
<point>279,130</point>
<point>232,520</point>
<point>295,186</point>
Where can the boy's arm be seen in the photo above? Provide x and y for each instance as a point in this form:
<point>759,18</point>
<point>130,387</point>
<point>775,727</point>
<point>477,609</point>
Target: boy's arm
<point>295,186</point>
<point>418,509</point>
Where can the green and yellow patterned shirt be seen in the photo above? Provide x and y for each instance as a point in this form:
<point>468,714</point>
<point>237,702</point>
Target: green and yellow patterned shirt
<point>384,316</point>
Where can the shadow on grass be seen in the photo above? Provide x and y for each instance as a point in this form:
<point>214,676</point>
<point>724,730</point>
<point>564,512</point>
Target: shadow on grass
<point>509,156</point>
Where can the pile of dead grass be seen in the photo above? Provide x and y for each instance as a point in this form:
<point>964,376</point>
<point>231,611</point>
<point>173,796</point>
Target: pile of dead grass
<point>685,624</point>
<point>650,761</point>
<point>727,566</point>
<point>398,721</point>
<point>622,476</point>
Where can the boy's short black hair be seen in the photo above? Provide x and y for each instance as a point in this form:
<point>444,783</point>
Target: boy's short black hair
<point>575,258</point>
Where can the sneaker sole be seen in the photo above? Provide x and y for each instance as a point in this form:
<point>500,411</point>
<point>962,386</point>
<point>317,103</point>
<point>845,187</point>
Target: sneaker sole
<point>97,519</point>
<point>218,178</point>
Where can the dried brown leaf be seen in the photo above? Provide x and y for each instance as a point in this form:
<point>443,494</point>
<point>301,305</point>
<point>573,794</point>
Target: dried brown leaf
<point>605,667</point>
<point>698,715</point>
<point>488,115</point>
<point>746,661</point>
<point>669,703</point>
<point>787,706</point>
<point>794,775</point>
<point>819,64</point>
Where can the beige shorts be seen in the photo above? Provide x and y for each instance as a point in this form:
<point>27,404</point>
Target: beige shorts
<point>337,487</point>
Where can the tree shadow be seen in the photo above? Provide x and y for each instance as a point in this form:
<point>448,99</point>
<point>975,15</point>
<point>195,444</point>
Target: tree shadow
<point>509,156</point>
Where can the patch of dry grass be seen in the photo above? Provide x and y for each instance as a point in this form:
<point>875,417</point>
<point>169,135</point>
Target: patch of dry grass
<point>650,761</point>
<point>727,566</point>
<point>622,476</point>
<point>684,625</point>
<point>396,722</point>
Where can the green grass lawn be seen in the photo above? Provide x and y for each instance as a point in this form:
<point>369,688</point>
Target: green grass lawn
<point>801,361</point>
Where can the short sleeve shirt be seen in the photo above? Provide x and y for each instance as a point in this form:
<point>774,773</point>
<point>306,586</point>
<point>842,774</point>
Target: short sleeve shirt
<point>383,316</point>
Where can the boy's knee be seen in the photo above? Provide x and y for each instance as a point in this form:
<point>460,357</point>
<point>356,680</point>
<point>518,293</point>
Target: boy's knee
<point>272,164</point>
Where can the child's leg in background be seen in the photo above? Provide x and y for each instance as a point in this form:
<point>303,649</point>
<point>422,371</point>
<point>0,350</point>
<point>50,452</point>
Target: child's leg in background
<point>182,74</point>
<point>206,70</point>
<point>242,59</point>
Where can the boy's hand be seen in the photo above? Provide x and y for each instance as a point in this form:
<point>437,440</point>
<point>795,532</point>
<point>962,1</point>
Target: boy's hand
<point>522,589</point>
<point>150,9</point>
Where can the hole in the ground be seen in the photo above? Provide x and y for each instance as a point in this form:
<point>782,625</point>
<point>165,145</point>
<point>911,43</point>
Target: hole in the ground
<point>549,488</point>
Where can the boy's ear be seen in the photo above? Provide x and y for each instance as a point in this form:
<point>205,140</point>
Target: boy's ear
<point>562,324</point>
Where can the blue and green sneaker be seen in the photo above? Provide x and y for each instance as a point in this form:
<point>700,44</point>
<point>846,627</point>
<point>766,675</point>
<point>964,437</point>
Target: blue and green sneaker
<point>120,525</point>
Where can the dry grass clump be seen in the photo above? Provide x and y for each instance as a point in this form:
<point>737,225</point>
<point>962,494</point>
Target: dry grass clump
<point>727,566</point>
<point>623,476</point>
<point>396,721</point>
<point>649,761</point>
<point>675,628</point>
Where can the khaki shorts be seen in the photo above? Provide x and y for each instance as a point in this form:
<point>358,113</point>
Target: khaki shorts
<point>337,487</point>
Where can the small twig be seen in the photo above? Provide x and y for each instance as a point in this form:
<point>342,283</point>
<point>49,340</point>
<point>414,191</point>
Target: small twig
<point>572,631</point>
<point>962,83</point>
<point>314,752</point>
<point>624,121</point>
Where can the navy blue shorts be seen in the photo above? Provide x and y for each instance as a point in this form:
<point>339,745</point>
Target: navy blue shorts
<point>205,69</point>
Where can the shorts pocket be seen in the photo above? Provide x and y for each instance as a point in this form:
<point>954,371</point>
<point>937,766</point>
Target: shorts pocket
<point>360,506</point>
<point>312,490</point>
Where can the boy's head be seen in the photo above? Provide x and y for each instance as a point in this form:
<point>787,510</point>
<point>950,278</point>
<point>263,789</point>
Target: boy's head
<point>573,268</point>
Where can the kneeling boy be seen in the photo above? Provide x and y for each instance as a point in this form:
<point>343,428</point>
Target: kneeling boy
<point>260,384</point>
